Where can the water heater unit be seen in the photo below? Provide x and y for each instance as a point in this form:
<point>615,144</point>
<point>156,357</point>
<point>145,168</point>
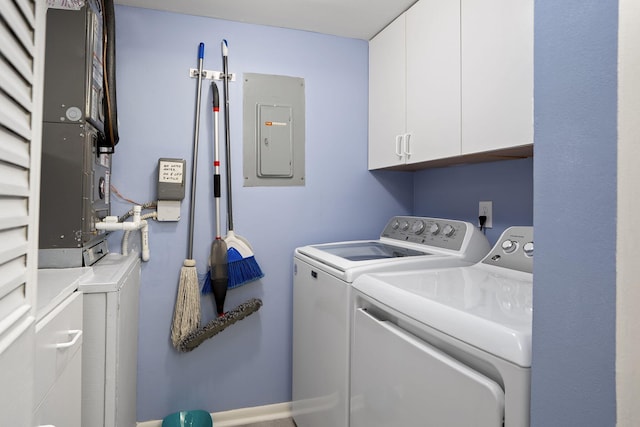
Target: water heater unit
<point>76,159</point>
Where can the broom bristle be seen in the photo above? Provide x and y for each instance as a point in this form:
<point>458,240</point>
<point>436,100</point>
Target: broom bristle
<point>242,270</point>
<point>206,286</point>
<point>186,316</point>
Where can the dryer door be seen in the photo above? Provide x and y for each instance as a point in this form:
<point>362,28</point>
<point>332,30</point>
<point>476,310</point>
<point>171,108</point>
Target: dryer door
<point>398,379</point>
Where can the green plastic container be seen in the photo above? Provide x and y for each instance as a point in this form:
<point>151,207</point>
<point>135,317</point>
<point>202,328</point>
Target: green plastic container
<point>196,418</point>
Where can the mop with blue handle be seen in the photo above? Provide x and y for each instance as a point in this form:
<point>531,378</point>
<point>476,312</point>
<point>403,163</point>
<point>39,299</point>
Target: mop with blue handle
<point>186,315</point>
<point>242,266</point>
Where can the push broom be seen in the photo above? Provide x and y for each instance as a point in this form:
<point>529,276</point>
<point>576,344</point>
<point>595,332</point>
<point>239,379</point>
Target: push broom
<point>242,266</point>
<point>186,316</point>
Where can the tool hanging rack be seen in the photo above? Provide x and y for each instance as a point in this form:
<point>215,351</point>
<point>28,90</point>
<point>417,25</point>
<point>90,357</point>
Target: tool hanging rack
<point>210,75</point>
<point>193,339</point>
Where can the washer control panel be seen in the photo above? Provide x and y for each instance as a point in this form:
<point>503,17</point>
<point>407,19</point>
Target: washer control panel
<point>514,250</point>
<point>440,233</point>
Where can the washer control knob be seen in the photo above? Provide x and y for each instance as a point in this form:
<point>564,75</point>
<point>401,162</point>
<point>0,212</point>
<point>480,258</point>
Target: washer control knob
<point>395,224</point>
<point>418,227</point>
<point>434,229</point>
<point>448,230</point>
<point>528,248</point>
<point>404,225</point>
<point>509,246</point>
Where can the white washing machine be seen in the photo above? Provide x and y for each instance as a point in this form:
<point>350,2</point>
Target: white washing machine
<point>322,302</point>
<point>446,347</point>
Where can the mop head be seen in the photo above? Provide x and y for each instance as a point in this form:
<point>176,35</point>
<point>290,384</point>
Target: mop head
<point>242,270</point>
<point>195,338</point>
<point>186,316</point>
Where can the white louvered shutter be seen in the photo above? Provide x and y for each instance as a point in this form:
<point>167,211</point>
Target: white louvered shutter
<point>21,71</point>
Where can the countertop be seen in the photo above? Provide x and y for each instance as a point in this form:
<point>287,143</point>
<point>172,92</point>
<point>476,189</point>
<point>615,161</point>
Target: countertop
<point>56,284</point>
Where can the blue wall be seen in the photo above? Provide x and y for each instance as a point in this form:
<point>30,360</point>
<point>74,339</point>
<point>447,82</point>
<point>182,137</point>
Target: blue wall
<point>571,183</point>
<point>575,213</point>
<point>248,364</point>
<point>454,192</point>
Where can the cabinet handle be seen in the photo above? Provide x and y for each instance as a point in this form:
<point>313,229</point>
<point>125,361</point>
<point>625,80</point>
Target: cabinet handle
<point>77,334</point>
<point>407,144</point>
<point>399,141</point>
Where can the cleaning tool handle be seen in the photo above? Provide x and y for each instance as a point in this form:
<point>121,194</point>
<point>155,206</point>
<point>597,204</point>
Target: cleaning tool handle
<point>216,97</point>
<point>225,48</point>
<point>216,162</point>
<point>216,186</point>
<point>216,157</point>
<point>225,73</point>
<point>194,160</point>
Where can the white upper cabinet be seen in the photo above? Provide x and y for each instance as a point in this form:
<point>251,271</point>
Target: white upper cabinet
<point>497,74</point>
<point>387,96</point>
<point>414,86</point>
<point>433,80</point>
<point>452,81</point>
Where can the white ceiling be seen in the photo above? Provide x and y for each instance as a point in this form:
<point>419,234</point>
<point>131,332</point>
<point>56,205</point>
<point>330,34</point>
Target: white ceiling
<point>360,19</point>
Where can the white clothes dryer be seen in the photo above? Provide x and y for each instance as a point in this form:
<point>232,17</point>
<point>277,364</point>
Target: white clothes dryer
<point>446,347</point>
<point>322,302</point>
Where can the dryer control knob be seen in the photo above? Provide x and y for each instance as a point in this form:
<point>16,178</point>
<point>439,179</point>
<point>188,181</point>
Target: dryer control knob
<point>528,248</point>
<point>448,230</point>
<point>418,227</point>
<point>434,229</point>
<point>405,225</point>
<point>509,246</point>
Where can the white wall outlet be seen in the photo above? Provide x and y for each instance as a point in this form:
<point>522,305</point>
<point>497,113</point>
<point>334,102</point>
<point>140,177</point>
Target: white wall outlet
<point>486,208</point>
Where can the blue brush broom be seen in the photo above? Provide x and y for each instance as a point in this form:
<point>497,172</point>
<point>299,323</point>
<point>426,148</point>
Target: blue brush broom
<point>242,266</point>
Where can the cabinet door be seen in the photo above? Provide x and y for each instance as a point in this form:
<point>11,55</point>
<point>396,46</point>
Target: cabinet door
<point>387,100</point>
<point>22,30</point>
<point>58,364</point>
<point>433,80</point>
<point>497,74</point>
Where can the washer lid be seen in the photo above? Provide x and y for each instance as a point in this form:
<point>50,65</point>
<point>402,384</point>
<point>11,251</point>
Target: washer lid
<point>368,250</point>
<point>344,256</point>
<point>480,305</point>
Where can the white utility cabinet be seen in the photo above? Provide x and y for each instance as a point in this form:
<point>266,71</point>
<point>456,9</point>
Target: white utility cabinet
<point>452,82</point>
<point>58,352</point>
<point>109,358</point>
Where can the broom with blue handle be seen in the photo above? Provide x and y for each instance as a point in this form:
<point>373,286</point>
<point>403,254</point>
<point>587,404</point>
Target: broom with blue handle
<point>242,266</point>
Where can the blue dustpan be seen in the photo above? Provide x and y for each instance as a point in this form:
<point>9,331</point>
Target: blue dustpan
<point>196,418</point>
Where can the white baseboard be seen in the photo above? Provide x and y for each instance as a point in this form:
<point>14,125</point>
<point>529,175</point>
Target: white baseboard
<point>238,417</point>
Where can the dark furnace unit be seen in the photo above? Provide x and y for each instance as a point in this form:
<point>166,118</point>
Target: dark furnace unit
<point>76,158</point>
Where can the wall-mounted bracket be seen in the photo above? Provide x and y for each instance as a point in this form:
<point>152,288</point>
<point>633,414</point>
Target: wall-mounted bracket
<point>211,75</point>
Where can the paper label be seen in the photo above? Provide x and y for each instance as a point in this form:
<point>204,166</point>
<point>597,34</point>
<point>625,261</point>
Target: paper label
<point>171,172</point>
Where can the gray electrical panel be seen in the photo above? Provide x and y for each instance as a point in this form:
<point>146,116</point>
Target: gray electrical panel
<point>274,130</point>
